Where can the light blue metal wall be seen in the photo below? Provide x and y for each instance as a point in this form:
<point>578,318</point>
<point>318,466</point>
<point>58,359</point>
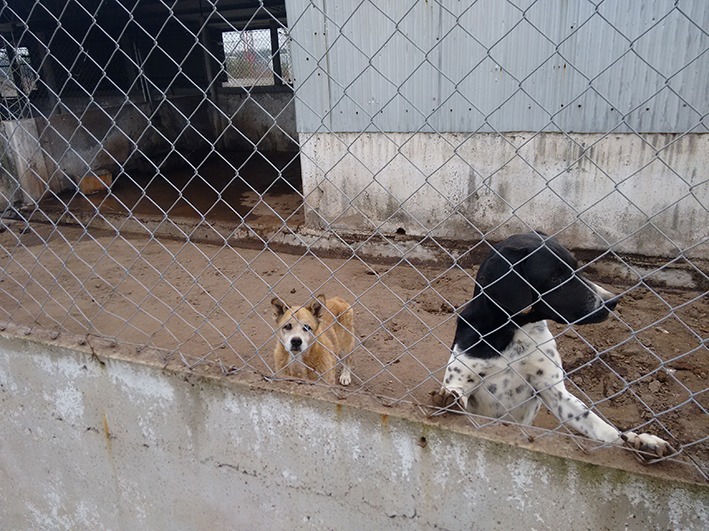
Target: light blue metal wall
<point>462,66</point>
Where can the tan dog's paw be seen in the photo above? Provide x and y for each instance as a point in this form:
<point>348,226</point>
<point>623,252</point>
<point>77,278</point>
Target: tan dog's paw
<point>345,376</point>
<point>649,446</point>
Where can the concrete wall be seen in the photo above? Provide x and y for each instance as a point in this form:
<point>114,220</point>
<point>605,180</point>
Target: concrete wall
<point>25,176</point>
<point>644,194</point>
<point>121,445</point>
<point>265,118</point>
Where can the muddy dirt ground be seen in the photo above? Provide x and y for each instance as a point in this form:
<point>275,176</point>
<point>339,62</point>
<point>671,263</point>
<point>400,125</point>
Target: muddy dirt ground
<point>200,304</point>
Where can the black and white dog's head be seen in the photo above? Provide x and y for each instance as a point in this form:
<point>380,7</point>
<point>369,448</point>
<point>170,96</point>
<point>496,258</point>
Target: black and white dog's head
<point>527,278</point>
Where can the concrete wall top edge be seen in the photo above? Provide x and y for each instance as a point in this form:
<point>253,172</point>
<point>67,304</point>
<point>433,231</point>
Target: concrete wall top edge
<point>122,364</point>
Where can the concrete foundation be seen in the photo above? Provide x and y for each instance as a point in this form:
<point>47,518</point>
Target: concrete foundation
<point>643,194</point>
<point>121,445</point>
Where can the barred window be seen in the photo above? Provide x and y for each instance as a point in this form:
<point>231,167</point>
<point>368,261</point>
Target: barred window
<point>257,57</point>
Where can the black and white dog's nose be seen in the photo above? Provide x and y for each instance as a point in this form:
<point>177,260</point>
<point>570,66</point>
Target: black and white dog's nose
<point>296,343</point>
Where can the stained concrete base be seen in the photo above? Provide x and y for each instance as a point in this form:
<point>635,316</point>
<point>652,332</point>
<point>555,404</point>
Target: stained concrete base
<point>642,194</point>
<point>115,444</point>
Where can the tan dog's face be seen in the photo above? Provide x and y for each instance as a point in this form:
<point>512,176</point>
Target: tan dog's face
<point>296,326</point>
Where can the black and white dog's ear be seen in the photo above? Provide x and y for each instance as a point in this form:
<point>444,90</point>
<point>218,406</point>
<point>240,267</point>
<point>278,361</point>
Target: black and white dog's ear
<point>503,280</point>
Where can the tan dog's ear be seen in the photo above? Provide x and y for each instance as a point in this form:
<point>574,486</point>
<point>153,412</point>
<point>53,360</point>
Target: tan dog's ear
<point>279,308</point>
<point>318,306</point>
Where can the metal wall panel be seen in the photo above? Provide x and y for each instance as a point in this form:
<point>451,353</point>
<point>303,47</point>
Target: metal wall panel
<point>453,66</point>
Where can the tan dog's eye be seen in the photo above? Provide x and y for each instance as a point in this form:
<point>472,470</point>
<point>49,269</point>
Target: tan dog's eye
<point>307,328</point>
<point>288,326</point>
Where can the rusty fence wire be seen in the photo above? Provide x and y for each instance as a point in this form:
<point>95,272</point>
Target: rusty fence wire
<point>169,167</point>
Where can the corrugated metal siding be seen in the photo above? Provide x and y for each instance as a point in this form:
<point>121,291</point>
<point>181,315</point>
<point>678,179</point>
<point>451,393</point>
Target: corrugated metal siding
<point>454,66</point>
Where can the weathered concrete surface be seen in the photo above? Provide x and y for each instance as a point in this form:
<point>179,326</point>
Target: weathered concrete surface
<point>121,445</point>
<point>258,118</point>
<point>644,194</point>
<point>26,176</point>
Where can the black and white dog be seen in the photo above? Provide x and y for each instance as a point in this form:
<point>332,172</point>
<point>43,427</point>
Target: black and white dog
<point>504,358</point>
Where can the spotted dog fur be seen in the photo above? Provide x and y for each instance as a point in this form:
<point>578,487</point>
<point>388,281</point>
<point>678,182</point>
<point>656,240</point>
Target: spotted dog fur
<point>504,361</point>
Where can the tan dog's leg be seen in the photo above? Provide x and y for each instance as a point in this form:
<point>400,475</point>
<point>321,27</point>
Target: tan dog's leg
<point>347,343</point>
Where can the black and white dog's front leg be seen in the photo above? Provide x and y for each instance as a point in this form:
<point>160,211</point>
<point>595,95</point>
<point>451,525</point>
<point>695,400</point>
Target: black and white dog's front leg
<point>573,412</point>
<point>461,378</point>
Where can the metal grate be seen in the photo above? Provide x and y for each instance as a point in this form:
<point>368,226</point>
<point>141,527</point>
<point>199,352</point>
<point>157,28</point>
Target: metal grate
<point>176,165</point>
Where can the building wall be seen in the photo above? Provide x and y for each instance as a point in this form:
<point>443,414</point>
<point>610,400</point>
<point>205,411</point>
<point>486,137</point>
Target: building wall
<point>124,445</point>
<point>263,118</point>
<point>601,191</point>
<point>484,116</point>
<point>450,66</point>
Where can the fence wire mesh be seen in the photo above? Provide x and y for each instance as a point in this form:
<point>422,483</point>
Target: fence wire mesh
<point>171,167</point>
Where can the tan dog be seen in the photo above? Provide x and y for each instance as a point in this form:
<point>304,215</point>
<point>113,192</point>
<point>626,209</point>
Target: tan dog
<point>312,338</point>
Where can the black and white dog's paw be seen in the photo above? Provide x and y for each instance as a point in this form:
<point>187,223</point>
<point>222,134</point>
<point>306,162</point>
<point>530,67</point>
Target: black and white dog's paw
<point>443,398</point>
<point>648,446</point>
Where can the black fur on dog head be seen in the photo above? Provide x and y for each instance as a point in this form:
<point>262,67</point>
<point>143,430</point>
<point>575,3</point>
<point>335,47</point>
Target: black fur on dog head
<point>526,278</point>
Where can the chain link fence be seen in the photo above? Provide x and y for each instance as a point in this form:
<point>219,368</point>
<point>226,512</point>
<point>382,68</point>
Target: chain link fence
<point>169,167</point>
